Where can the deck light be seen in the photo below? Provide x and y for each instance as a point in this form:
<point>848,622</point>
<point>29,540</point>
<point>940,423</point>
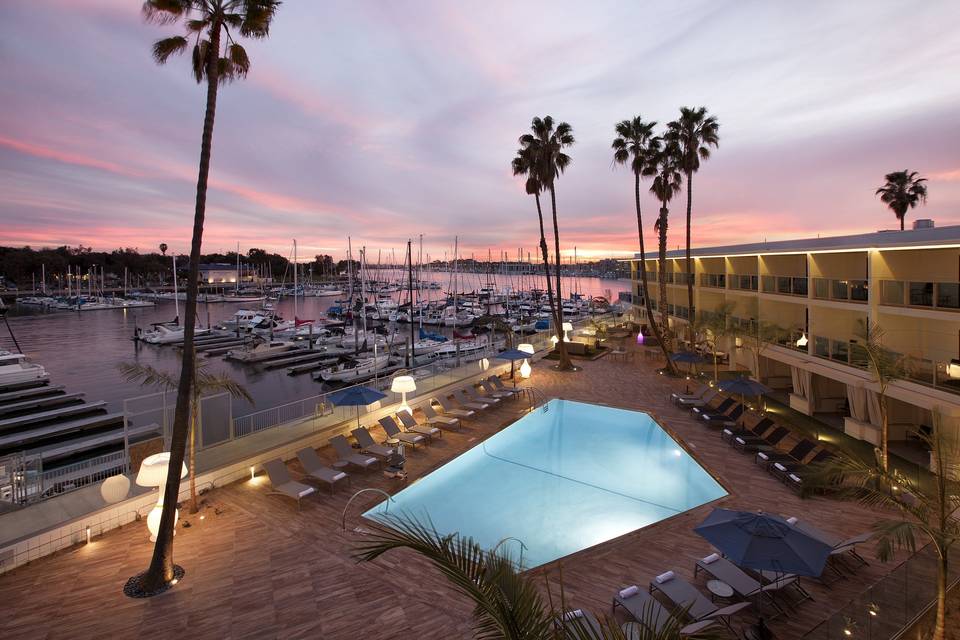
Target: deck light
<point>153,473</point>
<point>484,364</point>
<point>554,340</point>
<point>403,385</point>
<point>253,473</point>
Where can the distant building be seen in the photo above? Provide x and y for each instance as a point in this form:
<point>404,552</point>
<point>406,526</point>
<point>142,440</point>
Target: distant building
<point>817,290</point>
<point>218,273</point>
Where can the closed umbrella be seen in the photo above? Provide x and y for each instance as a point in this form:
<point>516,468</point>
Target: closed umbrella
<point>745,387</point>
<point>356,397</point>
<point>764,542</point>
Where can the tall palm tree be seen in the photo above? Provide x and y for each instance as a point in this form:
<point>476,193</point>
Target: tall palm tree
<point>695,132</point>
<point>928,506</point>
<point>523,165</point>
<point>902,191</point>
<point>217,58</point>
<point>549,161</point>
<point>665,169</point>
<point>204,383</point>
<point>636,144</point>
<point>507,603</point>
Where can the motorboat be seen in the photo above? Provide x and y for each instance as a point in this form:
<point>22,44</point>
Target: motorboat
<point>354,370</point>
<point>14,369</point>
<point>262,351</point>
<point>168,334</point>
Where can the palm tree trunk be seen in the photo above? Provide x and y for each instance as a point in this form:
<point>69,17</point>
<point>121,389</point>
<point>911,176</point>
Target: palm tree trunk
<point>194,409</point>
<point>692,310</point>
<point>884,433</point>
<point>546,268</point>
<point>161,571</point>
<point>643,280</point>
<point>565,364</point>
<point>662,277</point>
<point>940,627</point>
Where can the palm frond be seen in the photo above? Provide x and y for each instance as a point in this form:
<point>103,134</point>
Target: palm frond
<point>148,376</point>
<point>163,49</point>
<point>165,11</point>
<point>257,16</point>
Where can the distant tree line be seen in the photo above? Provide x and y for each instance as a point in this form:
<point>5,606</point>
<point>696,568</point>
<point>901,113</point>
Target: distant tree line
<point>23,265</point>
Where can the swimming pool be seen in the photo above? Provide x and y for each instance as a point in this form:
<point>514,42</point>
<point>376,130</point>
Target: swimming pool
<point>565,477</point>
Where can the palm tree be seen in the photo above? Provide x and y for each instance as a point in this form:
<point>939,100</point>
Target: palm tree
<point>204,383</point>
<point>665,169</point>
<point>163,248</point>
<point>902,191</point>
<point>636,144</point>
<point>523,165</point>
<point>548,162</point>
<point>507,603</point>
<point>216,58</point>
<point>885,366</point>
<point>928,506</point>
<point>695,133</point>
<point>717,326</point>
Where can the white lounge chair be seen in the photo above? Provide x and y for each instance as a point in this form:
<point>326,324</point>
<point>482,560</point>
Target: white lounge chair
<point>410,424</point>
<point>450,409</point>
<point>315,468</point>
<point>435,418</point>
<point>346,453</point>
<point>283,484</point>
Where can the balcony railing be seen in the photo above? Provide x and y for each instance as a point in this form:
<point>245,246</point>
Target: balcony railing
<point>930,373</point>
<point>907,293</point>
<point>743,282</point>
<point>785,285</point>
<point>842,290</point>
<point>715,280</point>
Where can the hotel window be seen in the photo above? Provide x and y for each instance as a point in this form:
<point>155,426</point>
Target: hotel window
<point>948,295</point>
<point>839,289</point>
<point>858,290</point>
<point>799,286</point>
<point>921,294</point>
<point>892,292</point>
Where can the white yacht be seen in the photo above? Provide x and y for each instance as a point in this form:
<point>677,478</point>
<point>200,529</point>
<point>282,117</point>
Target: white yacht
<point>355,370</point>
<point>163,334</point>
<point>14,369</point>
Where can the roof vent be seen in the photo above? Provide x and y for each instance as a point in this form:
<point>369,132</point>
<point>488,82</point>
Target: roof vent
<point>923,223</point>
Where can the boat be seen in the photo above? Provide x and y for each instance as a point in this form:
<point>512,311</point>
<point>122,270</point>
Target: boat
<point>168,334</point>
<point>262,351</point>
<point>354,370</point>
<point>14,369</point>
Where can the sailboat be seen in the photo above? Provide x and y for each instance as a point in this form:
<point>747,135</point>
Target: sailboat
<point>354,370</point>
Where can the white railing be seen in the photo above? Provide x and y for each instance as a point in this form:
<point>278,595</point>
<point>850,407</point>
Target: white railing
<point>79,474</point>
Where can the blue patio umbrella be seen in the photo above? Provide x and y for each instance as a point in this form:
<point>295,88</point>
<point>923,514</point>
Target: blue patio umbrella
<point>686,356</point>
<point>356,397</point>
<point>744,386</point>
<point>764,542</point>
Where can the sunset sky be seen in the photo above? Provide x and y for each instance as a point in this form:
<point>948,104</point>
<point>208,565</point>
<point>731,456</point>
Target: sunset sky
<point>386,120</point>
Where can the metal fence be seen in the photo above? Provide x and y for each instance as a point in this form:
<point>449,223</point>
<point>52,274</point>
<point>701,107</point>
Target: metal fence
<point>891,605</point>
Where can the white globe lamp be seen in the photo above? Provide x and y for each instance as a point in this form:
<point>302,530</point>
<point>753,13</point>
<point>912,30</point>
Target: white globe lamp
<point>153,473</point>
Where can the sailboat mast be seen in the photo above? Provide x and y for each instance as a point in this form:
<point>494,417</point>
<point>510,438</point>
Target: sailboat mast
<point>237,288</point>
<point>176,296</point>
<point>413,355</point>
<point>353,314</point>
<point>295,292</point>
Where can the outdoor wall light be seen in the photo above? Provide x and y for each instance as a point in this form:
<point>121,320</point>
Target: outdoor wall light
<point>153,473</point>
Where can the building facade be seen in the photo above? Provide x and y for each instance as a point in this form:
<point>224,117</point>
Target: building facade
<point>813,296</point>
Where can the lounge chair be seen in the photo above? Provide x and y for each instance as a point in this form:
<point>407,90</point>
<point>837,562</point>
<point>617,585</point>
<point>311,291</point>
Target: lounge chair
<point>346,453</point>
<point>799,451</point>
<point>684,595</point>
<point>367,444</point>
<point>435,418</point>
<point>474,395</point>
<point>410,424</point>
<point>841,549</point>
<point>394,433</point>
<point>748,444</point>
<point>461,398</point>
<point>728,419</point>
<point>703,401</point>
<point>635,630</point>
<point>696,395</point>
<point>725,405</point>
<point>581,623</point>
<point>781,468</point>
<point>283,484</point>
<point>491,392</point>
<point>742,583</point>
<point>499,386</point>
<point>450,409</point>
<point>757,430</point>
<point>315,468</point>
<point>642,606</point>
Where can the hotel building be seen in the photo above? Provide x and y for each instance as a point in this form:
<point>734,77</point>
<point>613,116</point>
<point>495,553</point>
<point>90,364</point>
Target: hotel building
<point>818,291</point>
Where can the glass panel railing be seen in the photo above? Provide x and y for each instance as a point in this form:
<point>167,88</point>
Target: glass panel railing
<point>893,292</point>
<point>744,282</point>
<point>948,295</point>
<point>840,289</point>
<point>940,295</point>
<point>920,294</point>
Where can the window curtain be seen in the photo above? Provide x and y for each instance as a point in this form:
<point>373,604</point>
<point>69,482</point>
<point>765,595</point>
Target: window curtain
<point>801,381</point>
<point>864,404</point>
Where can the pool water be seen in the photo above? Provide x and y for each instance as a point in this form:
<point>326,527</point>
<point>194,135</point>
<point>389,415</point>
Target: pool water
<point>563,478</point>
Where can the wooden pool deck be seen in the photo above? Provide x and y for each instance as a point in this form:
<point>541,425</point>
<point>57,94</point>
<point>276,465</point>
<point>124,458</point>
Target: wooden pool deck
<point>258,568</point>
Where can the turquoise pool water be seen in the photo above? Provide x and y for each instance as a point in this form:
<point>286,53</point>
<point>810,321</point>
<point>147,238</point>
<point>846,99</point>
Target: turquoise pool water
<point>563,478</point>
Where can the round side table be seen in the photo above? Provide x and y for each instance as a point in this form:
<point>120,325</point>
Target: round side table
<point>719,589</point>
